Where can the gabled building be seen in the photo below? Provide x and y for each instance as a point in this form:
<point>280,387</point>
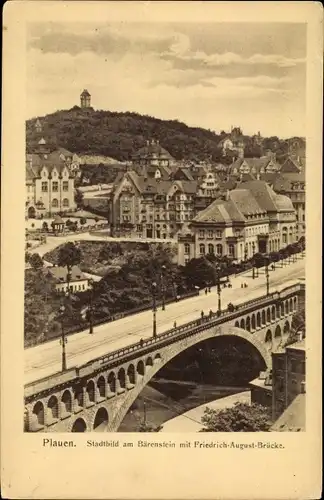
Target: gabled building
<point>78,282</point>
<point>151,155</point>
<point>49,185</point>
<point>232,143</point>
<point>254,166</point>
<point>152,207</point>
<point>292,184</point>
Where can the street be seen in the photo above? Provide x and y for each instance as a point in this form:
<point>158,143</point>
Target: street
<point>45,359</point>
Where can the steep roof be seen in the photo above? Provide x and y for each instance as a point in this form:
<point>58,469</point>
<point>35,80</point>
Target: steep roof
<point>289,166</point>
<point>284,182</point>
<point>264,195</point>
<point>60,274</point>
<point>256,164</point>
<point>245,202</point>
<point>152,150</point>
<point>283,203</point>
<point>58,220</point>
<point>35,162</point>
<point>220,211</point>
<point>85,93</point>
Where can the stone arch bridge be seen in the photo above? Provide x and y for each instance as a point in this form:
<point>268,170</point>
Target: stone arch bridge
<point>96,396</point>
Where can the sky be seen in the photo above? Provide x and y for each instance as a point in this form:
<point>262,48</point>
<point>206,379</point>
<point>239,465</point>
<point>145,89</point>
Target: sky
<point>210,75</point>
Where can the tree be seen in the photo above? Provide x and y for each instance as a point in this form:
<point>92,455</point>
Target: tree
<point>36,261</point>
<point>78,198</point>
<point>45,226</point>
<point>69,255</point>
<point>83,221</point>
<point>242,417</point>
<point>149,428</point>
<point>298,328</point>
<point>96,219</point>
<point>27,257</point>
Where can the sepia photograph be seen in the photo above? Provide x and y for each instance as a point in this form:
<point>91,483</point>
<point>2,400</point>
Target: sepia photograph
<point>156,283</point>
<point>165,227</point>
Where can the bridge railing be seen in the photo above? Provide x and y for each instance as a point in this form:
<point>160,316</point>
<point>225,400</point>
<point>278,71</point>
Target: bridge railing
<point>210,320</point>
<point>174,334</point>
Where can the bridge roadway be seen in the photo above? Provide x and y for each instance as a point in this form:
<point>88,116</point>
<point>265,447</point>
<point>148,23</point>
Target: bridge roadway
<point>45,359</point>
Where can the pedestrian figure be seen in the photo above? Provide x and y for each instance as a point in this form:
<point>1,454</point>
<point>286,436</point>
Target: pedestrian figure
<point>242,285</point>
<point>210,313</point>
<point>141,342</point>
<point>175,324</point>
<point>202,314</point>
<point>206,291</point>
<point>209,289</point>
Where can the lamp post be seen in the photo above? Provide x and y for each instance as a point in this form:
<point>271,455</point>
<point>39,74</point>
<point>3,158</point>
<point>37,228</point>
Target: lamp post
<point>63,339</point>
<point>267,275</point>
<point>253,269</point>
<point>154,287</point>
<point>163,268</point>
<point>218,288</point>
<point>91,306</point>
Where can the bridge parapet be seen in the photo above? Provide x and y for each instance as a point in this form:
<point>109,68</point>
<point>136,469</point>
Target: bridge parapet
<point>192,328</point>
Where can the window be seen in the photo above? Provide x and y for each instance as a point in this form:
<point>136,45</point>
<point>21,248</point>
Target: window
<point>210,233</point>
<point>219,249</point>
<point>55,186</point>
<point>211,249</point>
<point>202,249</point>
<point>54,203</point>
<point>231,250</point>
<point>66,202</point>
<point>65,185</point>
<point>44,187</point>
<point>187,260</point>
<point>201,233</point>
<point>218,233</point>
<point>186,248</point>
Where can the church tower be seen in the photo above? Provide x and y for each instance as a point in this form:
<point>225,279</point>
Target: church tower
<point>85,99</point>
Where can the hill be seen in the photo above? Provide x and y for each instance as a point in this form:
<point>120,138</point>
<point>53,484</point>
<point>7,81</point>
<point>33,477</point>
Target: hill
<point>119,135</point>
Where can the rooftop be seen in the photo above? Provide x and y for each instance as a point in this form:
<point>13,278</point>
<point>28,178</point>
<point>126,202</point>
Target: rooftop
<point>60,274</point>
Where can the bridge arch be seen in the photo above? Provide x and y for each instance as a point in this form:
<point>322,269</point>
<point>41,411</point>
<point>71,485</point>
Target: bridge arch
<point>66,401</point>
<point>242,324</point>
<point>101,386</point>
<point>79,425</point>
<point>91,392</point>
<point>140,368</point>
<point>268,336</point>
<point>101,419</point>
<point>53,408</point>
<point>39,413</point>
<point>173,350</point>
<point>286,328</point>
<point>263,316</point>
<point>248,324</point>
<point>131,374</point>
<point>122,378</point>
<point>253,323</point>
<point>277,331</point>
<point>111,381</point>
<point>273,313</point>
<point>258,320</point>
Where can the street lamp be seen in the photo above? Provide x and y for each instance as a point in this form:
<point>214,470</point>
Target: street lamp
<point>267,274</point>
<point>63,340</point>
<point>253,269</point>
<point>163,268</point>
<point>218,288</point>
<point>154,289</point>
<point>91,283</point>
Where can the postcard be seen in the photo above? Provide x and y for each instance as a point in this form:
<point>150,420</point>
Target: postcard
<point>161,259</point>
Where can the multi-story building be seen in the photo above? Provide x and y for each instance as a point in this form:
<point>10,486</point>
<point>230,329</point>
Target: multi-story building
<point>49,184</point>
<point>293,185</point>
<point>288,376</point>
<point>251,219</point>
<point>151,155</point>
<point>232,143</point>
<point>151,207</point>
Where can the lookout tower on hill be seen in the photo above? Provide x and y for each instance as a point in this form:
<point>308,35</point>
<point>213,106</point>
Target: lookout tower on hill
<point>85,99</point>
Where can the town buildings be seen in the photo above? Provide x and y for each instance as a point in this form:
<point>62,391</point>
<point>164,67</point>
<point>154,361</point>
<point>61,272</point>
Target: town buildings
<point>249,219</point>
<point>78,282</point>
<point>233,143</point>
